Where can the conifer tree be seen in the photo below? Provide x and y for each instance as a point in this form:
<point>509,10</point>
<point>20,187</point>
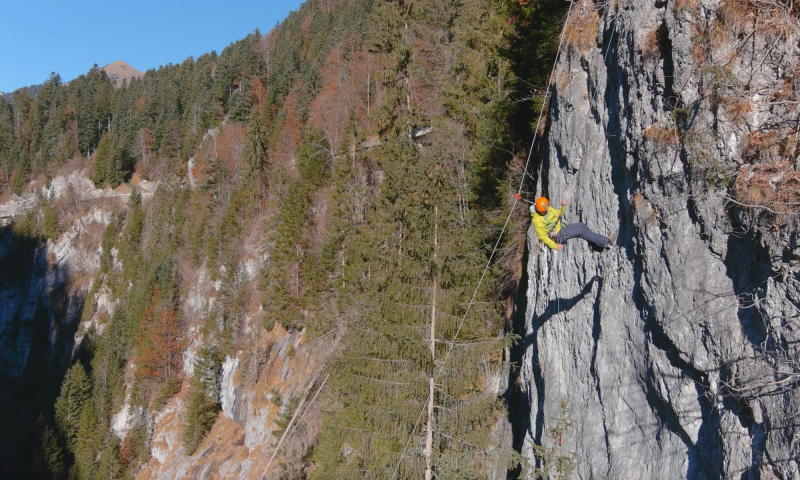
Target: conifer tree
<point>284,301</point>
<point>202,403</point>
<point>85,447</point>
<point>257,146</point>
<point>7,143</point>
<point>109,240</point>
<point>417,263</point>
<point>554,461</point>
<point>50,457</point>
<point>108,465</point>
<point>416,277</point>
<point>103,158</point>
<point>75,392</point>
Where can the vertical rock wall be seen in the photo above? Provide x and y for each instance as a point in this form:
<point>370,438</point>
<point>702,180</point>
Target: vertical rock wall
<point>655,343</point>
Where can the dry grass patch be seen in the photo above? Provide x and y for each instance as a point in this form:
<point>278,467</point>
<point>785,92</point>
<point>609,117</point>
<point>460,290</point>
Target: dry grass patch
<point>661,136</point>
<point>692,6</point>
<point>699,53</point>
<point>716,34</point>
<point>738,16</point>
<point>581,31</point>
<point>763,147</point>
<point>738,108</point>
<point>699,43</point>
<point>773,185</point>
<point>769,18</point>
<point>651,45</point>
<point>638,201</point>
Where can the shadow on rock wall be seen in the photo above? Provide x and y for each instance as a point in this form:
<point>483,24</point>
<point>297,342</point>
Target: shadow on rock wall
<point>38,319</point>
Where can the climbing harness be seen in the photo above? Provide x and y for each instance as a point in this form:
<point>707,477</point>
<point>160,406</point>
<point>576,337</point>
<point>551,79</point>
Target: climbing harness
<point>517,198</point>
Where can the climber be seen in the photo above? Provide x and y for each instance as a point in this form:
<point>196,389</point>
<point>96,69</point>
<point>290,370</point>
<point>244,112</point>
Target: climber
<point>547,222</point>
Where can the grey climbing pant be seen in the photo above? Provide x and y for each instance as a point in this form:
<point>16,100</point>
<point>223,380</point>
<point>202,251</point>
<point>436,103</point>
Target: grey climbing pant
<point>580,230</point>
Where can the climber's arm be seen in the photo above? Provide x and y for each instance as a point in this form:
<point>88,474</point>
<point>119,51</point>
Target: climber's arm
<point>541,232</point>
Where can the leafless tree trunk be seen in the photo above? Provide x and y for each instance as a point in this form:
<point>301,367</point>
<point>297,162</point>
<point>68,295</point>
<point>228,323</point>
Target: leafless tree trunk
<point>431,379</point>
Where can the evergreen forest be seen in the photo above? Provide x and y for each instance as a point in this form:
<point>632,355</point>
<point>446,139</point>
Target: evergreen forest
<point>364,156</point>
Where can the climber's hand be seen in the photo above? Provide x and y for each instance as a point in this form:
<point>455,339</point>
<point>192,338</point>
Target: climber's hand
<point>560,247</point>
<point>564,201</point>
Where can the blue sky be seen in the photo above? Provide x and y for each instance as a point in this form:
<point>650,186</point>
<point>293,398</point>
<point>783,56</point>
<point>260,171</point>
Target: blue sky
<point>69,37</point>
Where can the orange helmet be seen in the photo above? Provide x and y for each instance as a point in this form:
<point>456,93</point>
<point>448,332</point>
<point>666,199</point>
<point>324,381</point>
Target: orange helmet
<point>542,205</point>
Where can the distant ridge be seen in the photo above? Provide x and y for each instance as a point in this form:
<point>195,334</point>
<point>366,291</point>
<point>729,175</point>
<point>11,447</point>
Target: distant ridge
<point>33,89</point>
<point>119,71</point>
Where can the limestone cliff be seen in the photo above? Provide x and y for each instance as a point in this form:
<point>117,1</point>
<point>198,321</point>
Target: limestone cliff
<point>676,351</point>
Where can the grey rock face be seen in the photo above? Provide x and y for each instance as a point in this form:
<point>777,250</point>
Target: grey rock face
<point>37,311</point>
<point>40,300</point>
<point>676,349</point>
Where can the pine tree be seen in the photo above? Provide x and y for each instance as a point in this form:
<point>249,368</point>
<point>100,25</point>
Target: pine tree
<point>20,176</point>
<point>416,264</point>
<point>553,461</point>
<point>202,402</point>
<point>285,285</point>
<point>50,457</point>
<point>257,142</point>
<point>108,465</point>
<point>103,157</point>
<point>75,392</point>
<point>85,446</point>
<point>416,274</point>
<point>50,221</point>
<point>109,240</point>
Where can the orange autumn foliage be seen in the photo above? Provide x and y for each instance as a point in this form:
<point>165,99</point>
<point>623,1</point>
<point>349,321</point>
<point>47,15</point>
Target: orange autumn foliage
<point>230,147</point>
<point>160,344</point>
<point>289,137</point>
<point>258,92</point>
<point>343,93</point>
<point>126,454</point>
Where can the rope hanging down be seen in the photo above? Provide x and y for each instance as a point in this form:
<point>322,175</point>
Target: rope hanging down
<point>583,140</point>
<point>497,244</point>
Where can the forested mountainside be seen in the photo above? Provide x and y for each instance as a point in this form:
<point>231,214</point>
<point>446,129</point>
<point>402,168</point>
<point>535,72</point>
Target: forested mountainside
<point>282,238</point>
<point>264,263</point>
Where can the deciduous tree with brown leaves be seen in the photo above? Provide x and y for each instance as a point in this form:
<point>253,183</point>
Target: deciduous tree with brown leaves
<point>160,344</point>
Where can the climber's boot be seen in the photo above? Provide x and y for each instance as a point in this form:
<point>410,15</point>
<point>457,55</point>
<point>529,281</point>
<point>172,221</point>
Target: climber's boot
<point>612,240</point>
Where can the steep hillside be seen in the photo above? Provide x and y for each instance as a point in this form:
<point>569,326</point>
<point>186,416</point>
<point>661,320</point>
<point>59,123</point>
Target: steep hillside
<point>278,244</point>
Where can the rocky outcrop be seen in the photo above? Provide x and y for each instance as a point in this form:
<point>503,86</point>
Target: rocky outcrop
<point>676,350</point>
<point>241,443</point>
<point>43,286</point>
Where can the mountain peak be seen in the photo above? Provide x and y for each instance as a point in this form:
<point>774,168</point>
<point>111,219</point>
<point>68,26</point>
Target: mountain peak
<point>119,71</point>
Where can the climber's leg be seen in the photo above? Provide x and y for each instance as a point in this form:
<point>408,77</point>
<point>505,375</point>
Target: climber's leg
<point>580,230</point>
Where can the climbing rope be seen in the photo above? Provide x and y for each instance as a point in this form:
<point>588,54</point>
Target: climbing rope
<point>497,243</point>
<point>563,222</point>
<point>583,139</point>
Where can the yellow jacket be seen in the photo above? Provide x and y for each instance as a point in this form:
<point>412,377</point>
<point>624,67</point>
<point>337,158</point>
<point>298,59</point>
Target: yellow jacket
<point>547,223</point>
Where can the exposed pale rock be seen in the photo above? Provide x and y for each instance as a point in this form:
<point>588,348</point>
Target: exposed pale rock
<point>227,394</point>
<point>644,339</point>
